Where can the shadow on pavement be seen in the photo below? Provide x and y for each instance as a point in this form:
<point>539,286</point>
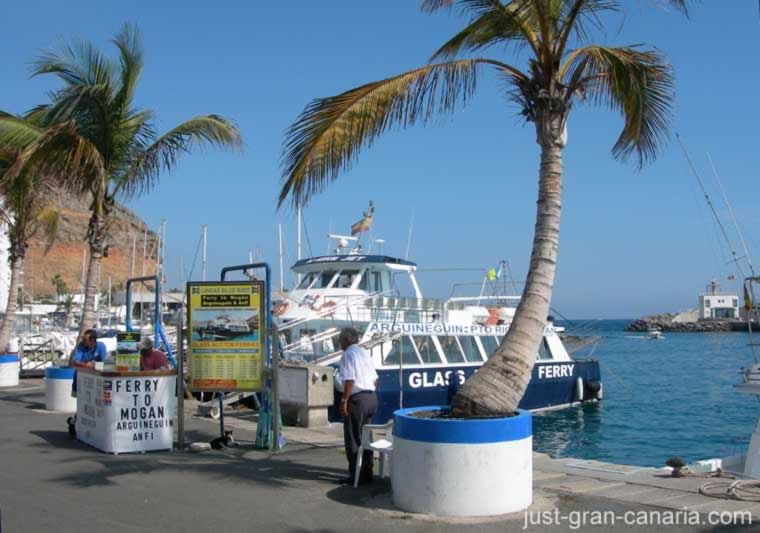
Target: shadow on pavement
<point>58,439</point>
<point>376,495</point>
<point>242,466</point>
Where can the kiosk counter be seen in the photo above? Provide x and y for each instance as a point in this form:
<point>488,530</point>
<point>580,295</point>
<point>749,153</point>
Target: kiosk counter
<point>122,412</point>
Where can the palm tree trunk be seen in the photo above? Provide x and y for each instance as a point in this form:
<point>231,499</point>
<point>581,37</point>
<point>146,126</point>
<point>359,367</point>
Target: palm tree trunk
<point>10,310</point>
<point>499,385</point>
<point>89,318</point>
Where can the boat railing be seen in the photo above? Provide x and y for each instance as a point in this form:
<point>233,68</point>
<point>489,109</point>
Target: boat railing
<point>460,302</point>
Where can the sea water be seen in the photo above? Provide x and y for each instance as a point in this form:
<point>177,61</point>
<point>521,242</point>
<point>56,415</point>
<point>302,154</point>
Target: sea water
<point>662,398</point>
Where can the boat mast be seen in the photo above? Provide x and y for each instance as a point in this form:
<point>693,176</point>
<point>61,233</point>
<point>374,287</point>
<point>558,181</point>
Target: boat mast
<point>281,253</point>
<point>712,208</point>
<point>409,236</point>
<point>298,238</point>
<point>203,246</point>
<point>731,214</point>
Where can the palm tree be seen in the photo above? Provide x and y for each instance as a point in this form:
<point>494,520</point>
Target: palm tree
<point>563,67</point>
<point>118,153</point>
<point>27,209</point>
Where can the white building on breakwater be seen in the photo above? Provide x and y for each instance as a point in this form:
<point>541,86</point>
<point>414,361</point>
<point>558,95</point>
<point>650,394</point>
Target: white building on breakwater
<point>717,304</point>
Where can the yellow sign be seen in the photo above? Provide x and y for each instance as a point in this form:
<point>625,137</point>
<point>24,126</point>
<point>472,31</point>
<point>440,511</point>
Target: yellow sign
<point>226,322</point>
<point>127,351</point>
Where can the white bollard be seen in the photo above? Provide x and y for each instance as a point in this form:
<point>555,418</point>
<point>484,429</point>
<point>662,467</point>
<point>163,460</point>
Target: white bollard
<point>9,370</point>
<point>462,467</point>
<point>58,390</point>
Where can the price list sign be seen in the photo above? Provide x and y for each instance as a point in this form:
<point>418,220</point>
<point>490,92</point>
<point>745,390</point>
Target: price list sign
<point>226,323</point>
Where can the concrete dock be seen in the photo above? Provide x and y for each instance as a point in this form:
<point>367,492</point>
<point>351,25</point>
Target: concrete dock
<point>50,482</point>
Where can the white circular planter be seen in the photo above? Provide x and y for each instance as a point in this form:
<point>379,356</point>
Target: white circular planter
<point>462,467</point>
<point>9,370</point>
<point>58,389</point>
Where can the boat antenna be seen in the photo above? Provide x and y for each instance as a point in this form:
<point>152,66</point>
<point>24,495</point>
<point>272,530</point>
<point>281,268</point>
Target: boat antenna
<point>712,207</point>
<point>731,213</point>
<point>409,236</point>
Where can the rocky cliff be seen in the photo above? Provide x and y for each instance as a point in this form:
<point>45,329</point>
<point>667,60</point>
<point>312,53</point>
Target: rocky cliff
<point>66,254</point>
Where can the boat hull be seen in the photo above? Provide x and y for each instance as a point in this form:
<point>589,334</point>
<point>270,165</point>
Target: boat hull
<point>553,385</point>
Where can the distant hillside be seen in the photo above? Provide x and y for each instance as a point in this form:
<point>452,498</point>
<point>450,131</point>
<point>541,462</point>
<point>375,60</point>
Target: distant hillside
<point>65,256</point>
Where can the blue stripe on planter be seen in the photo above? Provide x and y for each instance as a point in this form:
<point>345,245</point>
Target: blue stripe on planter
<point>54,372</point>
<point>7,358</point>
<point>462,431</point>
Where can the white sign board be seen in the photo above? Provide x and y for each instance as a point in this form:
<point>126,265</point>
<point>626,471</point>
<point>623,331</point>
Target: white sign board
<point>126,414</point>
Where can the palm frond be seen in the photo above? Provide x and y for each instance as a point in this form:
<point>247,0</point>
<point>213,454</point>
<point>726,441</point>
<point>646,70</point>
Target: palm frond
<point>472,7</point>
<point>146,167</point>
<point>61,153</point>
<point>47,221</point>
<point>328,134</point>
<point>16,133</point>
<point>575,16</point>
<point>77,63</point>
<point>637,82</point>
<point>129,43</point>
<point>500,23</point>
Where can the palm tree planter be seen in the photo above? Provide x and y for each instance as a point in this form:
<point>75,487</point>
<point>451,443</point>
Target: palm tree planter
<point>461,467</point>
<point>562,70</point>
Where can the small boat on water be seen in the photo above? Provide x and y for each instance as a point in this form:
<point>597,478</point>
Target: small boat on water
<point>655,334</point>
<point>418,344</point>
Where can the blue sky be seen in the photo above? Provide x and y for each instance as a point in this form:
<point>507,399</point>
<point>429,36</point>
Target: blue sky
<point>631,243</point>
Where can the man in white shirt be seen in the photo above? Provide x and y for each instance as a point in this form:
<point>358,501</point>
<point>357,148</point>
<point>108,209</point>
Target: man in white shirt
<point>359,401</point>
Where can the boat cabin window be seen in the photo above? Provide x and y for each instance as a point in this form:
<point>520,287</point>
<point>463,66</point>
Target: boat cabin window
<point>308,280</point>
<point>380,281</point>
<point>346,279</point>
<point>451,349</point>
<point>427,350</point>
<point>404,347</point>
<point>489,345</point>
<point>544,352</point>
<point>364,281</point>
<point>470,349</point>
<point>324,280</point>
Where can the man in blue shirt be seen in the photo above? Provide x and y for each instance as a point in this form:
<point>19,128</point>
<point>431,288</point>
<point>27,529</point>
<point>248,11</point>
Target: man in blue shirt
<point>89,350</point>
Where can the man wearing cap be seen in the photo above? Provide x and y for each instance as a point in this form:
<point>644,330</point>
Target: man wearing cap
<point>359,401</point>
<point>150,358</point>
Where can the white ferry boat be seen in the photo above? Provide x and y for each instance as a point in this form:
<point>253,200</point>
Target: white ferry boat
<point>419,345</point>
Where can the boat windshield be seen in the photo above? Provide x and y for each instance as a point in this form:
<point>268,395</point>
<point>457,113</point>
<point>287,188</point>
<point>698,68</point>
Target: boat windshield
<point>346,279</point>
<point>308,280</point>
<point>404,347</point>
<point>489,345</point>
<point>427,350</point>
<point>470,349</point>
<point>451,349</point>
<point>325,278</point>
<point>544,352</point>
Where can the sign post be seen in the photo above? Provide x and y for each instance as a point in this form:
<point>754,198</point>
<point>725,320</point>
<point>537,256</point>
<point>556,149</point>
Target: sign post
<point>226,332</point>
<point>181,382</point>
<point>272,354</point>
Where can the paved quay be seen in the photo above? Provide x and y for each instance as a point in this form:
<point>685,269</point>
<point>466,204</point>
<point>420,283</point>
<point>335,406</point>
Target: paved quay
<point>49,482</point>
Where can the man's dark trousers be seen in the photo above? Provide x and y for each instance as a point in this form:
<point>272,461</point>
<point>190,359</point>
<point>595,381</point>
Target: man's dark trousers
<point>361,408</point>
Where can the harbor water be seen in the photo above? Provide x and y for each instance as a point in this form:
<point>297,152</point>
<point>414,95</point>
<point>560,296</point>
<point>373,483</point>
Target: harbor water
<point>662,398</point>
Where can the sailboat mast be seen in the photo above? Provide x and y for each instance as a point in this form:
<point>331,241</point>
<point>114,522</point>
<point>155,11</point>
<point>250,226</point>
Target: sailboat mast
<point>731,214</point>
<point>712,207</point>
<point>298,237</point>
<point>281,254</point>
<point>203,259</point>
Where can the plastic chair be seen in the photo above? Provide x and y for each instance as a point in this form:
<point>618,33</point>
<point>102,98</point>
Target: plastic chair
<point>383,446</point>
